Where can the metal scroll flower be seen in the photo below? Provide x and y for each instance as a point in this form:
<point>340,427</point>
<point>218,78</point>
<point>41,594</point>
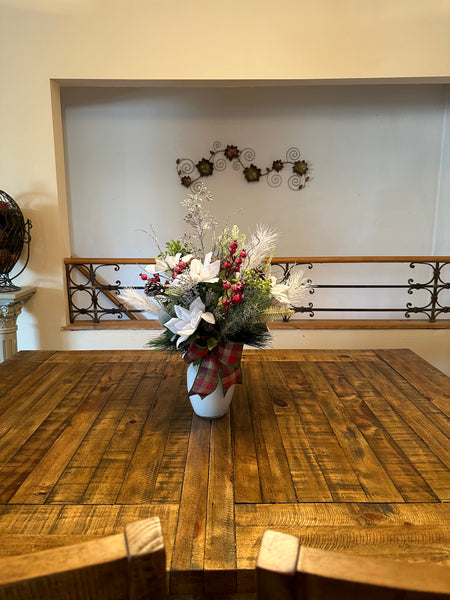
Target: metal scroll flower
<point>191,173</point>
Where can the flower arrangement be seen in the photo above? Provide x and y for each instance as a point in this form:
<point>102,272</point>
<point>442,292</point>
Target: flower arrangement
<point>212,303</point>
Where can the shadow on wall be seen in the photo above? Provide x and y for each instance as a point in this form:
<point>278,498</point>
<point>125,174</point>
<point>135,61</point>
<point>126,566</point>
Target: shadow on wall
<point>37,325</point>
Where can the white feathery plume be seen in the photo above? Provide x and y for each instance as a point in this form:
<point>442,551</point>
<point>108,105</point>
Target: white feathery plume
<point>133,299</point>
<point>298,287</point>
<point>260,246</point>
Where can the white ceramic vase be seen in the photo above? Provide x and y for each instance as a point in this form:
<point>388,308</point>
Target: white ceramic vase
<point>214,405</point>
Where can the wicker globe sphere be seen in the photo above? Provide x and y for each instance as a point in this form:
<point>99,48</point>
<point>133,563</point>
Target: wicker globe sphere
<point>12,233</point>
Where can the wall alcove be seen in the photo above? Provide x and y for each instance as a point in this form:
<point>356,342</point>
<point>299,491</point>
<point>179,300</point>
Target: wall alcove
<point>376,154</point>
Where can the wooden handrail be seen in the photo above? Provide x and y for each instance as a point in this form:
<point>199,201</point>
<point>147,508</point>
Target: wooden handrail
<point>275,259</point>
<point>109,261</point>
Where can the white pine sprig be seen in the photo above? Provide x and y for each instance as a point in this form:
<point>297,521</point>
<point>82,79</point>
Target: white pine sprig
<point>275,313</point>
<point>198,217</point>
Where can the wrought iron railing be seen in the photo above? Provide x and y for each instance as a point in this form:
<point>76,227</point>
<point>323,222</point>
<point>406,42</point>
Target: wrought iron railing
<point>92,287</point>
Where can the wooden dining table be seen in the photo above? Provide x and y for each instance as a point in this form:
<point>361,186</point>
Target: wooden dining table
<point>347,449</point>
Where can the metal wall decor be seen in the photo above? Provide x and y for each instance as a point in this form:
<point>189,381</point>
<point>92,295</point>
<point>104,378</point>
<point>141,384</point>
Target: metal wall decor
<point>14,233</point>
<point>190,173</point>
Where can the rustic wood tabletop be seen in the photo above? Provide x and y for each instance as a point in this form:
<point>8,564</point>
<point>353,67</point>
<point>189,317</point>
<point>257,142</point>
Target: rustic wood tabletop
<point>347,449</point>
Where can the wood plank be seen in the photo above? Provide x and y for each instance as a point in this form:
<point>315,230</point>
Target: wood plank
<point>336,469</point>
<point>295,322</point>
<point>377,484</point>
<point>92,447</point>
<point>74,571</point>
<point>429,381</point>
<point>287,354</point>
<point>310,484</point>
<point>435,439</point>
<point>140,322</point>
<point>275,478</point>
<point>189,552</point>
<point>29,520</point>
<point>119,419</point>
<point>14,370</point>
<point>357,259</point>
<point>34,528</point>
<point>12,544</point>
<point>39,484</point>
<point>35,380</point>
<point>71,486</point>
<point>299,322</point>
<point>27,357</point>
<point>416,398</point>
<point>110,356</point>
<point>409,443</point>
<point>28,456</point>
<point>173,462</point>
<point>73,260</point>
<point>309,355</point>
<point>247,486</point>
<point>103,486</point>
<point>369,529</point>
<point>406,479</point>
<point>162,393</point>
<point>220,544</point>
<point>21,420</point>
<point>125,413</point>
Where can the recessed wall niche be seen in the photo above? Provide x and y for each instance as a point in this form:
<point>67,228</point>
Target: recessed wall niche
<point>376,154</point>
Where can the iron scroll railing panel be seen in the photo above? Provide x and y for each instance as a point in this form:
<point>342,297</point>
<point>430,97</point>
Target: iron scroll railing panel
<point>388,286</point>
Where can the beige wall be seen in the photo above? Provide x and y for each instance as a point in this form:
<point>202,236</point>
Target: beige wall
<point>177,39</point>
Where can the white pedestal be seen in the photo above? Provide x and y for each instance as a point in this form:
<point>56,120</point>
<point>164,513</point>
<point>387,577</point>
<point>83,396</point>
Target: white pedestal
<point>11,304</point>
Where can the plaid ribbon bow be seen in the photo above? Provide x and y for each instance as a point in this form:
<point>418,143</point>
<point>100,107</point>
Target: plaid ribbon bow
<point>223,360</point>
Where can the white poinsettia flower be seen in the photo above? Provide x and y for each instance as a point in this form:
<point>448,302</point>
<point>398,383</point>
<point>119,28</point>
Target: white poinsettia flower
<point>279,291</point>
<point>292,292</point>
<point>207,271</point>
<point>187,320</point>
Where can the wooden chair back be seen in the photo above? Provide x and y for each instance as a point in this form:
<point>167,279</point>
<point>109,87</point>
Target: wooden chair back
<point>286,571</point>
<point>127,566</point>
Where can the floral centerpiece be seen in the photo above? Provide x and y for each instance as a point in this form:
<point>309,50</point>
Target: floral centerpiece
<point>211,303</point>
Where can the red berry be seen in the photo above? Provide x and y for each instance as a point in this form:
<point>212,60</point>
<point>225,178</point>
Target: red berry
<point>243,254</point>
<point>237,299</point>
<point>236,269</point>
<point>225,301</point>
<point>227,264</point>
<point>239,261</point>
<point>143,276</point>
<point>226,285</point>
<point>234,245</point>
<point>182,264</point>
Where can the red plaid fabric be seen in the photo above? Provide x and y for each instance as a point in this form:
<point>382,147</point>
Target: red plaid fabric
<point>223,360</point>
